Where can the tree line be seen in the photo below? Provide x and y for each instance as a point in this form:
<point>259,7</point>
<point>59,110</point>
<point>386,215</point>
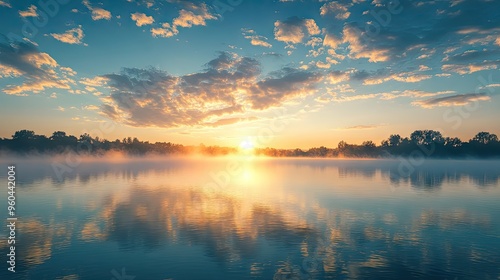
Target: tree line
<point>429,143</point>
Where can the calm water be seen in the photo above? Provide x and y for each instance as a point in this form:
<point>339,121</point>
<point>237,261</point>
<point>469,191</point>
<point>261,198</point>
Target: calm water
<point>255,219</point>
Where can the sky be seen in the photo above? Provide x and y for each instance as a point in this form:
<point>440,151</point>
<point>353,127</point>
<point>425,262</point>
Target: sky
<point>283,74</point>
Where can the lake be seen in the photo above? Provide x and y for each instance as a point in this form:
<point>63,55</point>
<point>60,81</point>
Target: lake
<point>254,218</point>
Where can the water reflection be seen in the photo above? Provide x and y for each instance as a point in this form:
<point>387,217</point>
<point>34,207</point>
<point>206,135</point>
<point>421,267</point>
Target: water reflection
<point>278,219</point>
<point>430,174</point>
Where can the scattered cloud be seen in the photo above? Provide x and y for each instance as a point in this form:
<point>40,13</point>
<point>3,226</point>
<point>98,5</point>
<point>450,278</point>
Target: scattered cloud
<point>340,10</point>
<point>191,15</point>
<point>360,47</point>
<point>412,35</point>
<point>30,12</point>
<point>463,69</point>
<point>295,30</point>
<point>412,94</point>
<point>97,13</point>
<point>196,15</point>
<point>361,127</point>
<point>141,19</point>
<point>72,36</point>
<point>453,100</point>
<point>255,39</point>
<point>91,107</point>
<point>165,31</point>
<point>5,4</point>
<point>281,85</point>
<point>37,69</point>
<point>383,75</point>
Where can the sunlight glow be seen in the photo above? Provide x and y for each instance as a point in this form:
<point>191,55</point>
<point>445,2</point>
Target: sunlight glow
<point>246,146</point>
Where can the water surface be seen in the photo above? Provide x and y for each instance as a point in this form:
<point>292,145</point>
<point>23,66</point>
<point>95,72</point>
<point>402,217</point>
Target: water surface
<point>251,218</point>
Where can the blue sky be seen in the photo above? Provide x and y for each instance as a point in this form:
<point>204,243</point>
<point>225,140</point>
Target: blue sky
<point>220,72</point>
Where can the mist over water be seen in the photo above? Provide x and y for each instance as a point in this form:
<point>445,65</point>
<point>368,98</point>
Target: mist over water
<point>255,218</point>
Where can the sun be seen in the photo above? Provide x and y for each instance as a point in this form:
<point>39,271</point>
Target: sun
<point>246,146</point>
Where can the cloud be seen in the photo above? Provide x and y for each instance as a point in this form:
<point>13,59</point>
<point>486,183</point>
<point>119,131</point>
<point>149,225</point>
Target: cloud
<point>141,19</point>
<point>5,4</point>
<point>38,70</point>
<point>151,97</point>
<point>463,69</point>
<point>255,39</point>
<point>295,30</point>
<point>331,41</point>
<point>384,75</point>
<point>72,36</point>
<point>196,15</point>
<point>471,61</point>
<point>361,127</point>
<point>340,10</point>
<point>412,94</point>
<point>226,91</point>
<point>166,31</point>
<point>453,100</point>
<point>68,71</point>
<point>91,107</point>
<point>282,85</point>
<point>30,12</point>
<point>348,98</point>
<point>97,13</point>
<point>191,15</point>
<point>360,47</point>
<point>410,34</point>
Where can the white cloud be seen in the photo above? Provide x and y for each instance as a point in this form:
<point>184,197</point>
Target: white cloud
<point>453,100</point>
<point>340,10</point>
<point>256,40</point>
<point>197,16</point>
<point>97,13</point>
<point>141,19</point>
<point>30,12</point>
<point>5,4</point>
<point>72,36</point>
<point>295,30</point>
<point>165,31</point>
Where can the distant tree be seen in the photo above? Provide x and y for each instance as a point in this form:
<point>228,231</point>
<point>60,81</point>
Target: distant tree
<point>452,142</point>
<point>86,138</point>
<point>342,145</point>
<point>395,140</point>
<point>58,135</point>
<point>24,135</point>
<point>368,144</point>
<point>318,152</point>
<point>426,137</point>
<point>485,138</point>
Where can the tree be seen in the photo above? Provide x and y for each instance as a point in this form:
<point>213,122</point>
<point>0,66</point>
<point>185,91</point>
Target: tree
<point>426,137</point>
<point>24,135</point>
<point>58,135</point>
<point>86,138</point>
<point>368,144</point>
<point>452,142</point>
<point>485,138</point>
<point>342,145</point>
<point>395,140</point>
